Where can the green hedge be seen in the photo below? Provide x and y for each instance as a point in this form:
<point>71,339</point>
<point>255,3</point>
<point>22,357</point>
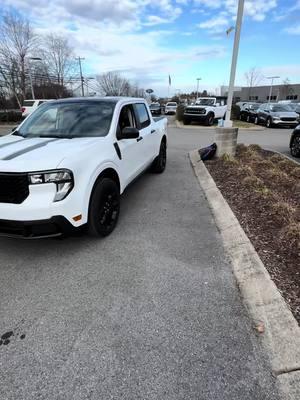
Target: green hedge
<point>180,112</point>
<point>10,116</point>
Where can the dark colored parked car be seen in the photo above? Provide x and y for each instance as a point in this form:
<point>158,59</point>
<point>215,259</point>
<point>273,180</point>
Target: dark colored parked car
<point>155,109</point>
<point>295,107</point>
<point>274,114</point>
<point>295,142</point>
<point>249,111</point>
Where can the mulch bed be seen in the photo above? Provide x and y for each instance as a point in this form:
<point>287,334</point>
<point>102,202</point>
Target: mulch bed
<point>263,190</point>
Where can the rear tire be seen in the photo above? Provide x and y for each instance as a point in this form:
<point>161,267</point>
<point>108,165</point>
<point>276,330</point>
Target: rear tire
<point>295,147</point>
<point>159,164</point>
<point>209,121</point>
<point>104,208</point>
<point>256,121</point>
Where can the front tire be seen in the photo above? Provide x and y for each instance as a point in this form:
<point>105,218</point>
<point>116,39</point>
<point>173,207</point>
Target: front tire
<point>159,164</point>
<point>295,146</point>
<point>210,119</point>
<point>269,123</point>
<point>104,208</point>
<point>256,120</point>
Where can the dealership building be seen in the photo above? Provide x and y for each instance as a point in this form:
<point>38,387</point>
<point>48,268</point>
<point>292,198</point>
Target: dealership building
<point>261,93</point>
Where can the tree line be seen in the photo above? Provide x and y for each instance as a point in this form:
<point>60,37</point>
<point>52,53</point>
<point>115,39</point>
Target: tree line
<point>46,64</point>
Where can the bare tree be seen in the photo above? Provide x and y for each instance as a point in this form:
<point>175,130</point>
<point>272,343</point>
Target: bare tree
<point>16,42</point>
<point>253,78</point>
<point>58,57</point>
<point>113,84</point>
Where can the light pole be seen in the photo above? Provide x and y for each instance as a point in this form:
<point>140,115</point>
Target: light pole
<point>81,77</point>
<point>30,77</point>
<point>271,87</point>
<point>198,79</point>
<point>239,18</point>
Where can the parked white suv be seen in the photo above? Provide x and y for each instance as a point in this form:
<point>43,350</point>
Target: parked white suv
<point>206,109</point>
<point>171,108</point>
<point>67,164</point>
<point>30,105</point>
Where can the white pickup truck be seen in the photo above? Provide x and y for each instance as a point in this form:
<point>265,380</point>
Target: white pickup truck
<point>66,165</point>
<point>206,109</point>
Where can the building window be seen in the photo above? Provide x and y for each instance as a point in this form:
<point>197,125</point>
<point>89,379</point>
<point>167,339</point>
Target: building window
<point>253,97</point>
<point>292,97</point>
<point>272,98</point>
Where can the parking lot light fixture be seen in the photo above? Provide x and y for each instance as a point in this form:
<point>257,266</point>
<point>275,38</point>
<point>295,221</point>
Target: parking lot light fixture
<point>239,18</point>
<point>271,86</point>
<point>198,79</point>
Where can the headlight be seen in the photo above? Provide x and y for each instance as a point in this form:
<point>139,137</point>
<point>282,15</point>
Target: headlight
<point>63,179</point>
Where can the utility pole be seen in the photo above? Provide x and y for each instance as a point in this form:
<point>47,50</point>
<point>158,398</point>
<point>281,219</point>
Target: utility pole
<point>239,18</point>
<point>271,87</point>
<point>81,77</point>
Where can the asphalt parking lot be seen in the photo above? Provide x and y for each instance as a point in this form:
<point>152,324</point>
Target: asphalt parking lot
<point>151,312</point>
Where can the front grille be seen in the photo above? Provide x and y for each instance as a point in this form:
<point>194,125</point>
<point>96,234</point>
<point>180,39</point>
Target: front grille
<point>13,188</point>
<point>195,110</point>
<point>288,119</point>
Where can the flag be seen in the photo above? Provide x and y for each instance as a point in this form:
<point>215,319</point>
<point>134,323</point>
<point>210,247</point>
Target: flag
<point>169,80</point>
<point>229,30</point>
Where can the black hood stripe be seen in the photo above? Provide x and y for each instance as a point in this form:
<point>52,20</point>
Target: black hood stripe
<point>27,150</point>
<point>11,143</point>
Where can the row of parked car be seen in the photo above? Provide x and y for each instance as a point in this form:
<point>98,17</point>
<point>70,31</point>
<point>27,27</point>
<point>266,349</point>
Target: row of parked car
<point>158,109</point>
<point>271,114</point>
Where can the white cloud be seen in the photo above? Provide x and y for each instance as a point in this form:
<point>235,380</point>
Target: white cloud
<point>291,71</point>
<point>293,30</point>
<point>215,25</point>
<point>255,9</point>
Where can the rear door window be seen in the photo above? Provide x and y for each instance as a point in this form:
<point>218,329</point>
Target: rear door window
<point>142,115</point>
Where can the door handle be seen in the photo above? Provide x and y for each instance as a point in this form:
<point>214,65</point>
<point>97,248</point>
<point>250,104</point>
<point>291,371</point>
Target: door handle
<point>139,138</point>
<point>153,130</point>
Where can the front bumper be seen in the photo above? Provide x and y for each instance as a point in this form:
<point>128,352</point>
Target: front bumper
<point>285,123</point>
<point>195,117</point>
<point>52,227</point>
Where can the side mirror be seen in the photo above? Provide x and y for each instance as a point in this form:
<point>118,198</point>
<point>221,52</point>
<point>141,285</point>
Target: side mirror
<point>14,128</point>
<point>129,133</point>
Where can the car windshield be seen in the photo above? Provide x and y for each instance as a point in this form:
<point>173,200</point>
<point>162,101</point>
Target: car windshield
<point>294,106</point>
<point>205,102</point>
<point>253,106</point>
<point>69,120</point>
<point>280,107</point>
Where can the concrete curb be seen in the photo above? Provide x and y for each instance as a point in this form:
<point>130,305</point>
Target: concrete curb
<point>200,127</point>
<point>264,302</point>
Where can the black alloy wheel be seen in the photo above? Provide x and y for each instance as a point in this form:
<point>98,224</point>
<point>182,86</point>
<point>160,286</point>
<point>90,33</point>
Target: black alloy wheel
<point>295,146</point>
<point>104,208</point>
<point>160,162</point>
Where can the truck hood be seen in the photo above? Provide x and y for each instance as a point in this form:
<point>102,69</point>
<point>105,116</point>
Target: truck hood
<point>19,154</point>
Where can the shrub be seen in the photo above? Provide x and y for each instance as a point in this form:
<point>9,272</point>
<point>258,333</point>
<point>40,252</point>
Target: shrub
<point>180,112</point>
<point>10,116</point>
<point>253,182</point>
<point>235,112</point>
<point>282,212</point>
<point>291,235</point>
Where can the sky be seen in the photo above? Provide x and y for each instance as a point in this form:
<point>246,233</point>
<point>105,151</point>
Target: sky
<point>148,40</point>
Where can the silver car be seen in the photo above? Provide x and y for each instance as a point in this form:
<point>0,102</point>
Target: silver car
<point>275,114</point>
<point>171,107</point>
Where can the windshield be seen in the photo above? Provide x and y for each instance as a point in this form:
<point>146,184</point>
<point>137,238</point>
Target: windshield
<point>205,102</point>
<point>280,107</point>
<point>69,120</point>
